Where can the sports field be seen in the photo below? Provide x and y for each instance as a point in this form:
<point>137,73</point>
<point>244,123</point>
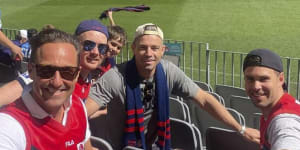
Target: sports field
<point>232,25</point>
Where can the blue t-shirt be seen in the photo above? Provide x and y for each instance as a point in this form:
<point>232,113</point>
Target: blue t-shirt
<point>26,50</point>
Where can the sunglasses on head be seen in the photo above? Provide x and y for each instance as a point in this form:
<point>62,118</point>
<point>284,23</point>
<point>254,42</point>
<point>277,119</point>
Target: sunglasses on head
<point>89,45</point>
<point>48,71</point>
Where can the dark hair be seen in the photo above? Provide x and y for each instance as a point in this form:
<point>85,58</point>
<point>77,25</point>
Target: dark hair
<point>52,36</point>
<point>31,33</point>
<point>116,32</point>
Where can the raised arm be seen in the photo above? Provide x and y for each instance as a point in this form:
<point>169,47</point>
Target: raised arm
<point>212,106</point>
<point>16,51</point>
<point>110,17</point>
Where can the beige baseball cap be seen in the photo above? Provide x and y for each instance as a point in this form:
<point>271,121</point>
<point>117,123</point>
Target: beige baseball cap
<point>148,29</point>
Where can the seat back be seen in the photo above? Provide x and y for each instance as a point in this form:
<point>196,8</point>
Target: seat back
<point>177,109</point>
<point>204,120</point>
<point>245,107</point>
<point>224,139</point>
<point>226,91</point>
<point>198,137</point>
<point>204,86</point>
<point>218,97</point>
<point>182,135</point>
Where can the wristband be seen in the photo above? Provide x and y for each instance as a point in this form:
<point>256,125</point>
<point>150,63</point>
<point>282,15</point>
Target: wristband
<point>242,131</point>
<point>21,81</point>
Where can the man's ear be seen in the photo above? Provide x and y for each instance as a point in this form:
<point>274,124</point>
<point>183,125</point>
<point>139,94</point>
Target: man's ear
<point>78,73</point>
<point>164,48</point>
<point>30,70</point>
<point>281,78</point>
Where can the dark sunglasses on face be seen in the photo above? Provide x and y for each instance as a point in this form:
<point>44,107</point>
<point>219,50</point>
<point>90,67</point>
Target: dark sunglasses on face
<point>48,71</point>
<point>89,45</point>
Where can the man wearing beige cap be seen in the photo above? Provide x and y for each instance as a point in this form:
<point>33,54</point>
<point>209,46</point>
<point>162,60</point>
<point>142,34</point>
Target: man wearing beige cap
<point>140,88</point>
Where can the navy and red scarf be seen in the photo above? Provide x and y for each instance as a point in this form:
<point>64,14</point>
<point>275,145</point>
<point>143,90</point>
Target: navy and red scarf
<point>134,128</point>
<point>140,8</point>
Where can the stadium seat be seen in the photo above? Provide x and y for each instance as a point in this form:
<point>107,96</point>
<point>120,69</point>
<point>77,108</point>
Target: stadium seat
<point>100,143</point>
<point>179,110</point>
<point>226,91</point>
<point>224,139</point>
<point>131,148</point>
<point>198,137</point>
<point>218,97</point>
<point>204,86</point>
<point>183,135</point>
<point>245,107</point>
<point>98,126</point>
<point>204,120</point>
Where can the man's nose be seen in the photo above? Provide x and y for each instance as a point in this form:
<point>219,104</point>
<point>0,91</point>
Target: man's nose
<point>257,85</point>
<point>57,80</point>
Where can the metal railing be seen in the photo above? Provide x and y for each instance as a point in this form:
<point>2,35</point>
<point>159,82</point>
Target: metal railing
<point>10,33</point>
<point>214,67</point>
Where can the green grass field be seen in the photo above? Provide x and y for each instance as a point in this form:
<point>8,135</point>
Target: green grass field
<point>231,25</point>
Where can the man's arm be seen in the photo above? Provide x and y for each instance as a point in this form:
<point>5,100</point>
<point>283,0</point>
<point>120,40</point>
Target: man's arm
<point>212,106</point>
<point>12,135</point>
<point>8,43</point>
<point>91,106</point>
<point>284,132</point>
<point>10,92</point>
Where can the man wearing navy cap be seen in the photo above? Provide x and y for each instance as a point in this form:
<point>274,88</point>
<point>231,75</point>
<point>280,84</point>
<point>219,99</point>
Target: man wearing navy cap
<point>93,37</point>
<point>264,83</point>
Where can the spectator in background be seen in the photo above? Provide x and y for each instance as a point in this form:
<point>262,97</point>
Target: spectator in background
<point>21,37</point>
<point>6,54</point>
<point>120,89</point>
<point>93,37</point>
<point>47,116</point>
<point>264,84</point>
<point>25,45</point>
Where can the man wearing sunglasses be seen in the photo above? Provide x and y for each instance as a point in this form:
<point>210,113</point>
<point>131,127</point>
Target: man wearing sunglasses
<point>93,37</point>
<point>48,117</point>
<point>140,89</point>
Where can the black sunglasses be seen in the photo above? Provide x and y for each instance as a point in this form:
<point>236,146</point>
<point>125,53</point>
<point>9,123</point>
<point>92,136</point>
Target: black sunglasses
<point>48,71</point>
<point>89,45</point>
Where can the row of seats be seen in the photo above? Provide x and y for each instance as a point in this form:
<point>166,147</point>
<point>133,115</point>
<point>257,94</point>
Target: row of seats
<point>234,99</point>
<point>205,123</point>
<point>193,128</point>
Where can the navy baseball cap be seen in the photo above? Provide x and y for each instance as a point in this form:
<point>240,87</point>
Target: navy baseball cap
<point>264,58</point>
<point>91,25</point>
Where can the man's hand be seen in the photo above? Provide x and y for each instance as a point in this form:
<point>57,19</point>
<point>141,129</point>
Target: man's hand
<point>252,135</point>
<point>17,52</point>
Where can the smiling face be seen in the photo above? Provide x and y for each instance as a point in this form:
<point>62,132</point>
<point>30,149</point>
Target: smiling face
<point>89,60</point>
<point>148,50</point>
<point>115,46</point>
<point>51,93</point>
<point>264,86</point>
